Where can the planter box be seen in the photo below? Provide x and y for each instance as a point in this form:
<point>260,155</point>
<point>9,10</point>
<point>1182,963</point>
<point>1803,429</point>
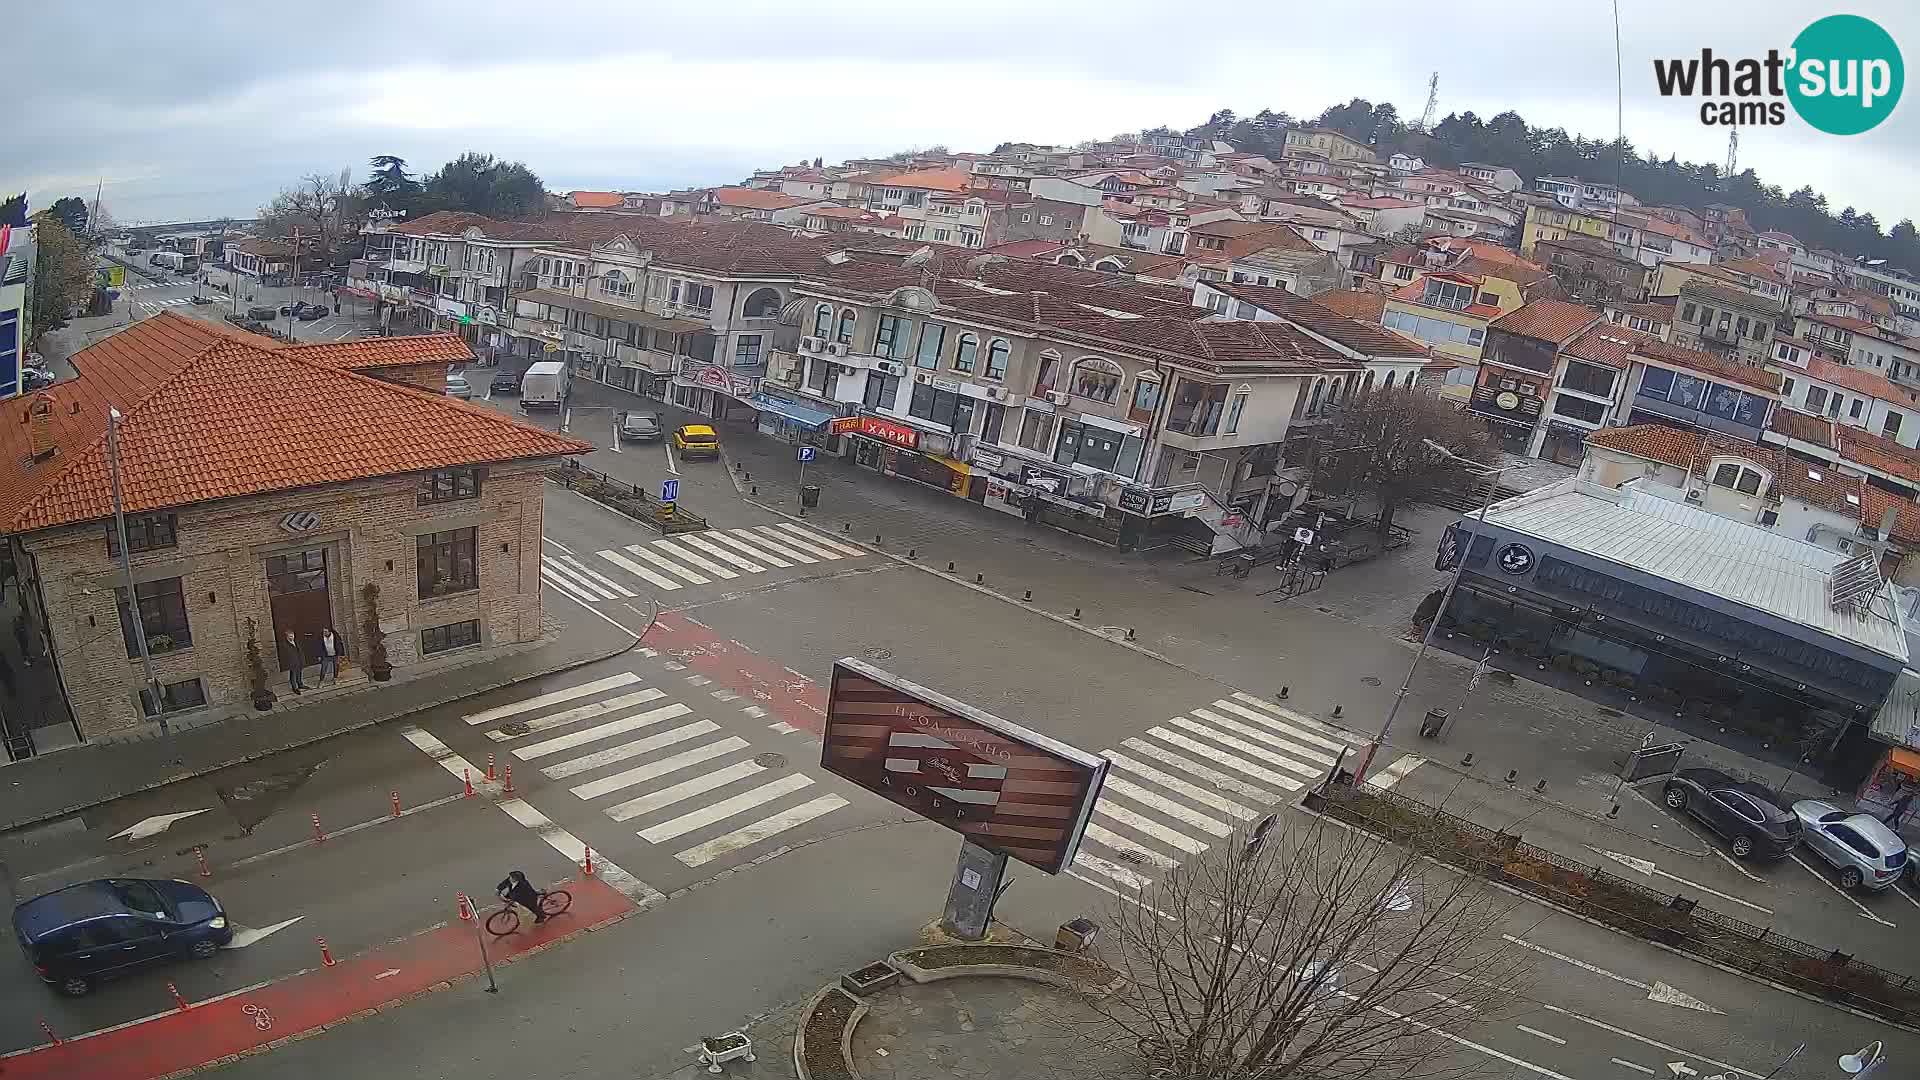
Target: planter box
<point>875,976</point>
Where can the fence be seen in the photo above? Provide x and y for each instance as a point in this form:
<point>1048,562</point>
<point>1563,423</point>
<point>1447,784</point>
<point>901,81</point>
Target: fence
<point>635,502</point>
<point>1672,920</point>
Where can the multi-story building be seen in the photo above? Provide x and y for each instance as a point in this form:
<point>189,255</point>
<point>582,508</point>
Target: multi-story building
<point>1850,396</point>
<point>1726,322</point>
<point>1326,143</point>
<point>1593,271</point>
<point>1550,220</point>
<point>1498,176</point>
<point>16,303</point>
<point>1898,286</point>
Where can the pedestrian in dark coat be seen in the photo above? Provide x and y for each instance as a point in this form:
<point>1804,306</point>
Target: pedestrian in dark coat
<point>295,661</point>
<point>1900,808</point>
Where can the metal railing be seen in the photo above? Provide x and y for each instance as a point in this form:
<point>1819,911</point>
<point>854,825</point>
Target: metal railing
<point>635,502</point>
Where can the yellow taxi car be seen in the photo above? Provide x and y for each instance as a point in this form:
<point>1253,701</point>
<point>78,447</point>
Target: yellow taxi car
<point>696,441</point>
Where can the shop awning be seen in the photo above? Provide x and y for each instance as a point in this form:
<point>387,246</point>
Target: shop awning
<point>1898,720</point>
<point>814,419</point>
<point>619,312</point>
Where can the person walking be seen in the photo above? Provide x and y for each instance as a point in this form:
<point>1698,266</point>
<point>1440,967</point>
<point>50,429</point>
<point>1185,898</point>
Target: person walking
<point>295,661</point>
<point>1900,806</point>
<point>331,650</point>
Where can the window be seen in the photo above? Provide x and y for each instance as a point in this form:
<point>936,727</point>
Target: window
<point>458,635</point>
<point>174,697</point>
<point>1853,411</point>
<point>892,336</point>
<point>1588,379</point>
<point>696,297</point>
<point>163,617</point>
<point>1036,432</point>
<point>1243,310</point>
<point>1046,219</point>
<point>1097,379</point>
<point>1730,474</point>
<point>1489,299</point>
<point>145,532</point>
<point>1447,294</point>
<point>1025,218</point>
<point>881,390</point>
<point>1686,314</point>
<point>1235,407</point>
<point>616,283</point>
<point>1892,425</point>
<point>446,563</point>
<point>1833,404</point>
<point>1740,328</point>
<point>1097,447</point>
<point>937,406</point>
<point>1319,234</point>
<point>964,353</point>
<point>449,485</point>
<point>746,351</point>
<point>933,338</point>
<point>845,334</point>
<point>1146,395</point>
<point>997,359</point>
<point>1816,398</point>
<point>996,419</point>
<point>1769,518</point>
<point>762,304</point>
<point>1591,412</point>
<point>1403,273</point>
<point>822,321</point>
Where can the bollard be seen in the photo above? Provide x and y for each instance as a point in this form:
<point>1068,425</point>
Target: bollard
<point>200,852</point>
<point>979,578</point>
<point>1541,786</point>
<point>1028,596</point>
<point>588,868</point>
<point>508,790</point>
<point>1467,762</point>
<point>48,1028</point>
<point>913,553</point>
<point>846,526</point>
<point>1129,633</point>
<point>756,489</point>
<point>1336,710</point>
<point>490,774</point>
<point>876,539</point>
<point>464,906</point>
<point>1076,614</point>
<point>179,999</point>
<point>396,803</point>
<point>1284,691</point>
<point>318,836</point>
<point>326,954</point>
<point>468,775</point>
<point>737,466</point>
<point>746,474</point>
<point>1511,774</point>
<point>949,568</point>
<point>1613,811</point>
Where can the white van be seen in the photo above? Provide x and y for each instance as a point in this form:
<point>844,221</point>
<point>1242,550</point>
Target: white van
<point>545,385</point>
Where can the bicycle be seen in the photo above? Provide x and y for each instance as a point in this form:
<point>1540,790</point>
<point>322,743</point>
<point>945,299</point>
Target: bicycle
<point>507,919</point>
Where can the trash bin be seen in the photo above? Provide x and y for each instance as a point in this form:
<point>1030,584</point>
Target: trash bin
<point>810,496</point>
<point>1076,936</point>
<point>1435,720</point>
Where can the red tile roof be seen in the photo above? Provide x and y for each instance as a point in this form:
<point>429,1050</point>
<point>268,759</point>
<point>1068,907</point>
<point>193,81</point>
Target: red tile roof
<point>1354,304</point>
<point>1352,333</point>
<point>1655,442</point>
<point>745,198</point>
<point>1877,452</point>
<point>596,200</point>
<point>1803,427</point>
<point>1652,348</point>
<point>1546,320</point>
<point>1605,343</point>
<point>1860,381</point>
<point>928,179</point>
<point>212,414</point>
<point>366,353</point>
<point>1874,504</point>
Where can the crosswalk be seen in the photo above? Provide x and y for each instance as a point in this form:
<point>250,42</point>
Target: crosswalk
<point>651,763</point>
<point>689,559</point>
<point>149,285</point>
<point>1187,784</point>
<point>156,305</point>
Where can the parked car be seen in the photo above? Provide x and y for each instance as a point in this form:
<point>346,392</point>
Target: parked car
<point>35,378</point>
<point>640,427</point>
<point>1740,810</point>
<point>261,313</point>
<point>696,441</point>
<point>1860,846</point>
<point>304,311</point>
<point>504,382</point>
<point>458,387</point>
<point>97,929</point>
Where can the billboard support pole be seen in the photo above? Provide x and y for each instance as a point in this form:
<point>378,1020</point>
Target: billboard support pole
<point>976,885</point>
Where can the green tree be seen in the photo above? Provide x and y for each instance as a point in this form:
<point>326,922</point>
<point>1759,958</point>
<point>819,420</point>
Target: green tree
<point>72,212</point>
<point>390,185</point>
<point>13,210</point>
<point>62,273</point>
<point>478,183</point>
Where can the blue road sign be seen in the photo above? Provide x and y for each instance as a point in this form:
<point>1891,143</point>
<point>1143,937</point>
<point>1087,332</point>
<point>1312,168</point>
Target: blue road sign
<point>670,490</point>
<point>806,454</point>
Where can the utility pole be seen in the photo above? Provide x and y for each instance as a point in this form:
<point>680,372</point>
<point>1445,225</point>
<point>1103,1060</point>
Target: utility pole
<point>1433,103</point>
<point>126,569</point>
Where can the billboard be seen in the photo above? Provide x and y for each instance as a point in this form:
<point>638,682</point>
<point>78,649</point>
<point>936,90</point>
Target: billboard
<point>1000,785</point>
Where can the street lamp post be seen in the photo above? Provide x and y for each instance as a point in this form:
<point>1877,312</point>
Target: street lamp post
<point>1426,642</point>
<point>126,569</point>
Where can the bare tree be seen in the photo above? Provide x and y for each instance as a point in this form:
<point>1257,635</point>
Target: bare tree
<point>320,206</point>
<point>1316,952</point>
<point>1377,447</point>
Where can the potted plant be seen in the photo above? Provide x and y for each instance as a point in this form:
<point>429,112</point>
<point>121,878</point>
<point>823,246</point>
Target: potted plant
<point>263,698</point>
<point>377,666</point>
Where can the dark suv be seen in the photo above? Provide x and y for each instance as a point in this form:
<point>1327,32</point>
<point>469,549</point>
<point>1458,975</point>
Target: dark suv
<point>97,929</point>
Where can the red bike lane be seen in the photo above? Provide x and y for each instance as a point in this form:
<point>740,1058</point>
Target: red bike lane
<point>786,694</point>
<point>249,1021</point>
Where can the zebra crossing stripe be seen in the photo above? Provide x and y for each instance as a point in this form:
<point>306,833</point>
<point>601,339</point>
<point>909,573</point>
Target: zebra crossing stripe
<point>515,708</point>
<point>669,565</point>
<point>726,808</point>
<point>604,582</point>
<point>1142,824</point>
<point>1219,779</point>
<point>641,774</point>
<point>602,731</point>
<point>721,553</point>
<point>776,536</point>
<point>1247,748</point>
<point>553,568</point>
<point>1302,719</point>
<point>787,551</point>
<point>1120,785</point>
<point>733,542</point>
<point>748,835</point>
<point>686,789</point>
<point>547,575</point>
<point>1240,765</point>
<point>690,558</point>
<point>820,539</point>
<point>1106,836</point>
<point>1393,773</point>
<point>1173,783</point>
<point>584,712</point>
<point>1306,736</point>
<point>613,755</point>
<point>1292,749</point>
<point>1111,871</point>
<point>639,571</point>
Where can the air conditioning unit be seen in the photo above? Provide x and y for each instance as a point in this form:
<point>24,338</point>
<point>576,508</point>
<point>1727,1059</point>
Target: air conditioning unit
<point>809,344</point>
<point>922,377</point>
<point>1058,397</point>
<point>996,393</point>
<point>836,348</point>
<point>1694,495</point>
<point>890,367</point>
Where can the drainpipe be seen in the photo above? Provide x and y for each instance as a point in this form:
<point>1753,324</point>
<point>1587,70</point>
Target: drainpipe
<point>126,567</point>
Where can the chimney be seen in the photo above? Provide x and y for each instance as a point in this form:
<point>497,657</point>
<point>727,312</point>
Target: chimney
<point>40,427</point>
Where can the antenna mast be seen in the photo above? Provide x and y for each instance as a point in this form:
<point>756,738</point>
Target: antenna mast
<point>1433,102</point>
<point>1733,158</point>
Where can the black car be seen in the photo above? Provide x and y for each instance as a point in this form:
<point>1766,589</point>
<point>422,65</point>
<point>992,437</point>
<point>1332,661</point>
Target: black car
<point>82,933</point>
<point>303,311</point>
<point>1740,810</point>
<point>504,382</point>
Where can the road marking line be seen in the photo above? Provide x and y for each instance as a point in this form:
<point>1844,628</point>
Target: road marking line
<point>584,712</point>
<point>1122,786</point>
<point>748,835</point>
<point>602,731</point>
<point>639,571</point>
<point>689,557</point>
<point>1864,911</point>
<point>669,565</point>
<point>1220,780</point>
<point>611,682</point>
<point>781,727</point>
<point>726,808</point>
<point>721,553</point>
<point>643,773</point>
<point>685,789</point>
<point>667,445</point>
<point>1114,840</point>
<point>1109,870</point>
<point>774,535</point>
<point>1310,723</point>
<point>604,581</point>
<point>1536,1032</point>
<point>822,539</point>
<point>557,838</point>
<point>1173,783</point>
<point>785,551</point>
<point>1655,1043</point>
<point>672,666</point>
<point>1657,991</point>
<point>1630,1065</point>
<point>1646,866</point>
<point>1903,893</point>
<point>734,542</point>
<point>1141,823</point>
<point>1307,736</point>
<point>1245,747</point>
<point>1395,772</point>
<point>754,711</point>
<point>699,680</point>
<point>554,566</point>
<point>1297,751</point>
<point>572,591</point>
<point>724,695</point>
<point>1729,860</point>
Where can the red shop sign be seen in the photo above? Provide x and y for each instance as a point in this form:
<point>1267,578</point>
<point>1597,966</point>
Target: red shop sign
<point>897,434</point>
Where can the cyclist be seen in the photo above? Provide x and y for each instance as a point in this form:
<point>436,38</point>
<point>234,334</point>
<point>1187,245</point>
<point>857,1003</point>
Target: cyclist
<point>516,889</point>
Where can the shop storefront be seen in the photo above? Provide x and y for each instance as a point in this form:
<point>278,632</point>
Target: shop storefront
<point>792,421</point>
<point>712,390</point>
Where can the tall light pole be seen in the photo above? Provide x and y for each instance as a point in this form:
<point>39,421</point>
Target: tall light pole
<point>1426,642</point>
<point>126,567</point>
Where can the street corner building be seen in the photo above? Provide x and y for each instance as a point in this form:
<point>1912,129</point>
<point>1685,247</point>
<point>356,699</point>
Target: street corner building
<point>265,489</point>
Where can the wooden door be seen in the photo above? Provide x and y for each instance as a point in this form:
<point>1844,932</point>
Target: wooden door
<point>297,591</point>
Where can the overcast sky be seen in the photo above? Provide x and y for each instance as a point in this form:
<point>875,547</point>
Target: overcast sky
<point>191,110</point>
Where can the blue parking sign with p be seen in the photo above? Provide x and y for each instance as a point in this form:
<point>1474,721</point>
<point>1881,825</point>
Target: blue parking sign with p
<point>670,490</point>
<point>806,453</point>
